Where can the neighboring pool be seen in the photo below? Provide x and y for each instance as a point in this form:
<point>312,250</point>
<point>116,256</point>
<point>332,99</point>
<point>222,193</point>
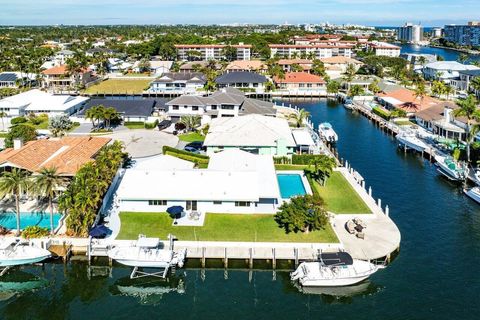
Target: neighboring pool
<point>291,185</point>
<point>42,219</point>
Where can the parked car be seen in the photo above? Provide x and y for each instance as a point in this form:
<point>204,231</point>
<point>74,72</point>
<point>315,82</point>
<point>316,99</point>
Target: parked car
<point>191,149</point>
<point>196,144</point>
<point>164,124</point>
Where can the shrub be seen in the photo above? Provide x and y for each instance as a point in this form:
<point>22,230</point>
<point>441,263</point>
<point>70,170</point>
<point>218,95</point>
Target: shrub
<point>24,131</point>
<point>305,159</point>
<point>179,126</point>
<point>282,160</point>
<point>18,120</point>
<point>35,232</point>
<point>302,214</point>
<point>199,159</point>
<point>381,112</point>
<point>151,125</point>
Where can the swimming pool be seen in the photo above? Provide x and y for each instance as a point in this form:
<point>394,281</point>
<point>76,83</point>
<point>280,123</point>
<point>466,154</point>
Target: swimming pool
<point>41,219</point>
<point>291,185</point>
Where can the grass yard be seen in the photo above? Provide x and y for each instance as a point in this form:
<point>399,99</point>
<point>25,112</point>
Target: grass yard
<point>134,125</point>
<point>340,197</point>
<point>191,137</point>
<point>298,167</point>
<point>217,227</point>
<point>404,123</point>
<point>116,86</point>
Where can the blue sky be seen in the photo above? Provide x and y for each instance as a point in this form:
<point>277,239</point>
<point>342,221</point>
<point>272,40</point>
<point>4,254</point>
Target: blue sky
<point>370,12</point>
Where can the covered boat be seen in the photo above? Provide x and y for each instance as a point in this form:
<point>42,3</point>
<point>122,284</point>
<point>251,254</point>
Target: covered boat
<point>333,269</point>
<point>15,252</point>
<point>409,140</point>
<point>327,133</point>
<point>453,170</point>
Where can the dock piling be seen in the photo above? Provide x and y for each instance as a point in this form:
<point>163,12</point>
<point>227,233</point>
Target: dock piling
<point>274,259</point>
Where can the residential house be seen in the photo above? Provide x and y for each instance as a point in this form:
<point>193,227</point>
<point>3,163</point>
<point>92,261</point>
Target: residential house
<point>195,66</point>
<point>383,49</point>
<point>449,72</point>
<point>246,65</point>
<point>341,62</point>
<point>67,154</point>
<point>466,77</point>
<point>62,56</point>
<point>157,67</point>
<point>301,82</point>
<point>59,78</point>
<point>234,182</point>
<point>188,52</point>
<point>316,51</point>
<point>439,120</point>
<point>254,133</point>
<point>227,102</point>
<point>15,79</point>
<point>128,110</point>
<point>249,81</point>
<point>178,82</point>
<point>37,101</point>
<point>97,51</point>
<point>406,100</point>
<point>286,64</point>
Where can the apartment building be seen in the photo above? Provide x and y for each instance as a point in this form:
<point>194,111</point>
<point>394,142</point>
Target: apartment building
<point>310,51</point>
<point>465,35</point>
<point>189,52</point>
<point>384,49</point>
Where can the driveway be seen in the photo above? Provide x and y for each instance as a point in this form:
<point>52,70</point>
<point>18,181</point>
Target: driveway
<point>84,128</point>
<point>141,143</point>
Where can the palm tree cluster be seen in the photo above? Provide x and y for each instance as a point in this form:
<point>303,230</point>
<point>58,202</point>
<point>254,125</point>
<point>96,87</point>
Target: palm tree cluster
<point>46,183</point>
<point>440,88</point>
<point>299,117</point>
<point>468,108</point>
<point>190,122</point>
<point>83,197</point>
<point>100,113</point>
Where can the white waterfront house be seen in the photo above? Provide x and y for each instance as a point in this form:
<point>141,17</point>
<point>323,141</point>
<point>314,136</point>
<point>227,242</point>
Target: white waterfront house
<point>37,101</point>
<point>384,49</point>
<point>234,182</point>
<point>178,82</point>
<point>449,72</point>
<point>254,133</point>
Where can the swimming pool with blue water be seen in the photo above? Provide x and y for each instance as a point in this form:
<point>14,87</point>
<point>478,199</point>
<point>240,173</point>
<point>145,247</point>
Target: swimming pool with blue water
<point>41,219</point>
<point>291,185</point>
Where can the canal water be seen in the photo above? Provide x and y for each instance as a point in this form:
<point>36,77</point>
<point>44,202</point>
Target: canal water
<point>446,54</point>
<point>435,275</point>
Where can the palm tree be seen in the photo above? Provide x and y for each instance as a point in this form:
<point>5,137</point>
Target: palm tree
<point>109,114</point>
<point>333,87</point>
<point>475,85</point>
<point>3,114</point>
<point>468,108</point>
<point>462,58</point>
<point>299,117</point>
<point>322,168</point>
<point>15,183</point>
<point>190,122</point>
<point>48,183</point>
<point>420,91</point>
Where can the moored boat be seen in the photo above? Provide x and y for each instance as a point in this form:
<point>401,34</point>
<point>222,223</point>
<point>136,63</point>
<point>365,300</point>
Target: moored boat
<point>409,140</point>
<point>327,133</point>
<point>453,170</point>
<point>15,252</point>
<point>473,193</point>
<point>333,270</point>
<point>348,104</point>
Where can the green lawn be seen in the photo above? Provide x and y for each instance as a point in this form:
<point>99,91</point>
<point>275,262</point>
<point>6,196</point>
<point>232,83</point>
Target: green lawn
<point>404,123</point>
<point>135,125</point>
<point>217,227</point>
<point>340,197</point>
<point>116,86</point>
<point>299,167</point>
<point>191,137</point>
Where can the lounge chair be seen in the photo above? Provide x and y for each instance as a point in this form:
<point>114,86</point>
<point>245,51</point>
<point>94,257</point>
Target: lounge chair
<point>350,226</point>
<point>360,235</point>
<point>359,222</point>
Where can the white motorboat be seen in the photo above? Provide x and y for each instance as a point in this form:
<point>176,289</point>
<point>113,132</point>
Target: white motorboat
<point>348,104</point>
<point>14,252</point>
<point>333,270</point>
<point>453,170</point>
<point>148,253</point>
<point>473,193</point>
<point>409,140</point>
<point>475,176</point>
<point>327,133</point>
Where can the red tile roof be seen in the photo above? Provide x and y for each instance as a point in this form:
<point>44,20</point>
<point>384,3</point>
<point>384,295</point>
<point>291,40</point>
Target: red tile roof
<point>299,77</point>
<point>66,154</point>
<point>408,101</point>
<point>56,70</point>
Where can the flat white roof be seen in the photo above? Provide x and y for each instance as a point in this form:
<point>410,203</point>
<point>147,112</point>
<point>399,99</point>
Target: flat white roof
<point>249,130</point>
<point>162,162</point>
<point>36,100</point>
<point>391,100</point>
<point>302,137</point>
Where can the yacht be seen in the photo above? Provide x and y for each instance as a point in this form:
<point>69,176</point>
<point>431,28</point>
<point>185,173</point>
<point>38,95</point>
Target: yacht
<point>409,140</point>
<point>148,253</point>
<point>333,270</point>
<point>453,170</point>
<point>15,252</point>
<point>327,133</point>
<point>348,104</point>
<point>473,193</point>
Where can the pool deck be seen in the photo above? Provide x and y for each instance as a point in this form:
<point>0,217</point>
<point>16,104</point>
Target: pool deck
<point>382,237</point>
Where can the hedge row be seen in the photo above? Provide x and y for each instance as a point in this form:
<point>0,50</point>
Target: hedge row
<point>282,160</point>
<point>178,151</point>
<point>382,113</point>
<point>304,159</point>
<point>199,159</point>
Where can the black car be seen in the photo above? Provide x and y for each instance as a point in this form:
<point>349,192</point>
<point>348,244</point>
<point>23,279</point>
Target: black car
<point>164,124</point>
<point>196,145</point>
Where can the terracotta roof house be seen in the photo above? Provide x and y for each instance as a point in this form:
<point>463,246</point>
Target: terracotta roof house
<point>406,100</point>
<point>60,78</point>
<point>286,64</point>
<point>300,81</point>
<point>440,120</point>
<point>66,154</point>
<point>341,62</point>
<point>246,65</point>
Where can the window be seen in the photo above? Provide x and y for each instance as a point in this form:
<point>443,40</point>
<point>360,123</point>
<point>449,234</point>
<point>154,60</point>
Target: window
<point>157,202</point>
<point>214,107</point>
<point>175,107</point>
<point>217,202</point>
<point>242,203</point>
<point>194,108</point>
<point>228,107</point>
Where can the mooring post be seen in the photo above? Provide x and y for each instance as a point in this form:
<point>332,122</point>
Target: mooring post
<point>250,262</point>
<point>225,261</point>
<point>295,252</point>
<point>370,191</point>
<point>387,211</point>
<point>380,203</point>
<point>274,259</point>
<point>203,257</point>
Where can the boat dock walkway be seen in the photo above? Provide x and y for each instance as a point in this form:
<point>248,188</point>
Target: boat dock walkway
<point>381,235</point>
<point>381,122</point>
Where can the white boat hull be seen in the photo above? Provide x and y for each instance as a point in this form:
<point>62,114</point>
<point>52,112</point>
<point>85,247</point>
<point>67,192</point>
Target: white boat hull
<point>473,193</point>
<point>333,282</point>
<point>18,254</point>
<point>19,262</point>
<point>412,143</point>
<point>143,264</point>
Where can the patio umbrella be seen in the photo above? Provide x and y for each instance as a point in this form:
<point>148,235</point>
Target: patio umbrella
<point>99,231</point>
<point>175,211</point>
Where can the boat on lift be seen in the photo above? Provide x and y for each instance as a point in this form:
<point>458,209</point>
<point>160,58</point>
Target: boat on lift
<point>473,193</point>
<point>327,133</point>
<point>348,104</point>
<point>450,168</point>
<point>408,139</point>
<point>16,252</point>
<point>333,269</point>
<point>148,253</point>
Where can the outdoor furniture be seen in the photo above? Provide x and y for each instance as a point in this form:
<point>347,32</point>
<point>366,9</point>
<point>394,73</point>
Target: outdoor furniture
<point>350,226</point>
<point>359,222</point>
<point>194,215</point>
<point>360,235</point>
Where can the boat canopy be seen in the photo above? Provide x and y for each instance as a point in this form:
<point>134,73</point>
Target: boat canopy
<point>148,242</point>
<point>336,259</point>
<point>6,243</point>
<point>326,125</point>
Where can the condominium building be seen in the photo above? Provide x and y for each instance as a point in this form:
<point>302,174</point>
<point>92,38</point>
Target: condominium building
<point>465,35</point>
<point>189,52</point>
<point>310,51</point>
<point>412,33</point>
<point>384,49</point>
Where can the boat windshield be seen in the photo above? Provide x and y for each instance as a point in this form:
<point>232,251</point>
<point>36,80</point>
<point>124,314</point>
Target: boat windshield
<point>148,242</point>
<point>336,259</point>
